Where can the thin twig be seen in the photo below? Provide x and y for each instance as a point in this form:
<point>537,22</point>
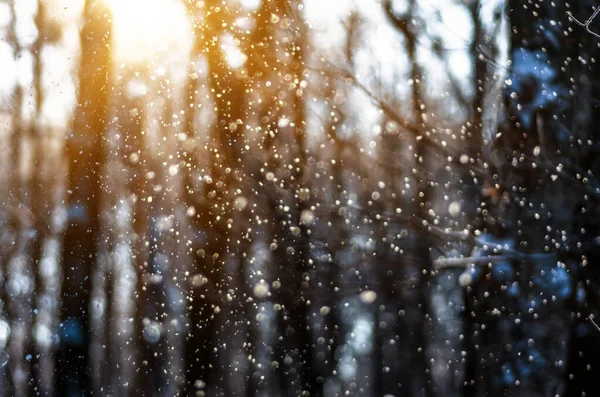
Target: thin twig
<point>447,263</point>
<point>590,317</point>
<point>586,24</point>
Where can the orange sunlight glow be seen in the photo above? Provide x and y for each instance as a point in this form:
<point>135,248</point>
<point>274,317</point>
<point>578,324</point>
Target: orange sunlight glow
<point>150,30</point>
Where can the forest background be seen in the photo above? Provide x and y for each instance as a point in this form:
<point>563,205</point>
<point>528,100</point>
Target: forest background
<point>299,198</point>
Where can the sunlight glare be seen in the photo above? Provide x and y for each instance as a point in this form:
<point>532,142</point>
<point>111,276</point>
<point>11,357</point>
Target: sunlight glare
<point>145,30</point>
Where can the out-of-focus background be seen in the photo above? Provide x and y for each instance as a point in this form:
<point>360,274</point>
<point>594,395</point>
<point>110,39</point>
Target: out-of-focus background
<point>299,198</point>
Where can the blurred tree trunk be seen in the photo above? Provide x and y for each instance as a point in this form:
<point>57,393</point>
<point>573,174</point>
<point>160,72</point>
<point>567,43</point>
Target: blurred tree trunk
<point>47,191</point>
<point>20,278</point>
<point>583,363</point>
<point>471,198</point>
<point>276,71</point>
<point>226,170</point>
<point>174,237</point>
<point>521,307</point>
<point>115,279</point>
<point>196,174</point>
<point>406,24</point>
<point>327,232</point>
<point>84,150</point>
